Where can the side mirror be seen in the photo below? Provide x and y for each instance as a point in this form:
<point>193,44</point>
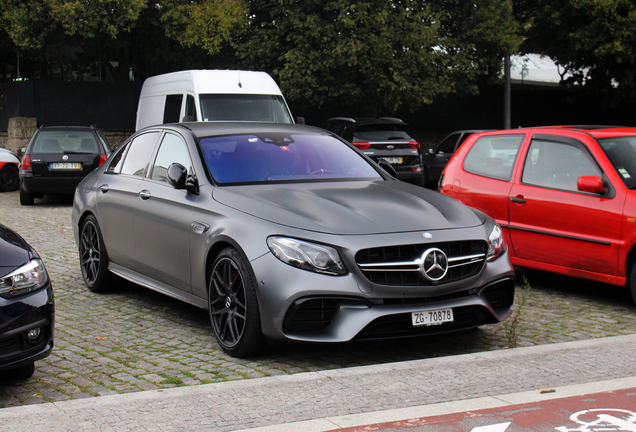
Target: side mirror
<point>300,120</point>
<point>180,179</point>
<point>387,167</point>
<point>591,184</point>
<point>177,175</point>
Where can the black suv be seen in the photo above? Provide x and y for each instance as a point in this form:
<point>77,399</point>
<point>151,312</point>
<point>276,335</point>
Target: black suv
<point>383,138</point>
<point>57,158</point>
<point>435,159</point>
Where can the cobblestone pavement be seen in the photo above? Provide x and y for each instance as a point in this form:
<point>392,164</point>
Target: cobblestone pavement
<point>135,339</point>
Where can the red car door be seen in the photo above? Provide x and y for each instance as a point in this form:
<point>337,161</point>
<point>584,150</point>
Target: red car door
<point>555,227</point>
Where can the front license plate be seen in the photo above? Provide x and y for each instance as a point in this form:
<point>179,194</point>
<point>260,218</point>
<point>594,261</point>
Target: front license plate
<point>393,160</point>
<point>432,317</point>
<point>65,166</point>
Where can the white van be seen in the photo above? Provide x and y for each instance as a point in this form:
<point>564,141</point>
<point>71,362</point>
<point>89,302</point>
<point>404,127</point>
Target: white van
<point>211,95</point>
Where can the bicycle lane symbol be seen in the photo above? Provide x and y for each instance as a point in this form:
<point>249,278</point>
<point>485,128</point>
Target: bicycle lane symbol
<point>602,419</point>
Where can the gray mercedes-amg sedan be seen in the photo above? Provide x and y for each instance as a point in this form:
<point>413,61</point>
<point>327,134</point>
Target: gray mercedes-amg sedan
<point>287,233</point>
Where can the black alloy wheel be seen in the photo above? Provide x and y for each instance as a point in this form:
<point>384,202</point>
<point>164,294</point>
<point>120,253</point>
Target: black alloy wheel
<point>93,257</point>
<point>232,305</point>
<point>9,180</point>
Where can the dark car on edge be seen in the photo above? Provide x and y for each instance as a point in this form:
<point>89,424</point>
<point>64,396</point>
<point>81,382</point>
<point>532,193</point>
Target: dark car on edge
<point>383,138</point>
<point>26,307</point>
<point>434,161</point>
<point>57,158</point>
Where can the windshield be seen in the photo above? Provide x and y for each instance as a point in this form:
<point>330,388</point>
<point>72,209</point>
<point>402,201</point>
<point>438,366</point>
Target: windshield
<point>620,152</point>
<point>244,107</point>
<point>65,142</point>
<point>275,157</point>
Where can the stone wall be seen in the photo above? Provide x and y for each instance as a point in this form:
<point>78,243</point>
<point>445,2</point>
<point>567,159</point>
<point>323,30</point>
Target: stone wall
<point>19,133</point>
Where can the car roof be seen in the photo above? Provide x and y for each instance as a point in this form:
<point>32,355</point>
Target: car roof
<point>592,130</point>
<point>67,128</point>
<point>204,129</point>
<point>369,120</point>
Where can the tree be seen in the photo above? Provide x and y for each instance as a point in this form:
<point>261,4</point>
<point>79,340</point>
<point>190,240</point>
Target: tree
<point>593,41</point>
<point>122,34</point>
<point>376,56</point>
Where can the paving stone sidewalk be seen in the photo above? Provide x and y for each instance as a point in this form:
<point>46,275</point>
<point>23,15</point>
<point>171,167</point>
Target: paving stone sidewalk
<point>135,339</point>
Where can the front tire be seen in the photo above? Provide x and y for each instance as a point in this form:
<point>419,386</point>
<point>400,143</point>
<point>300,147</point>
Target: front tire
<point>93,257</point>
<point>233,306</point>
<point>9,178</point>
<point>632,282</point>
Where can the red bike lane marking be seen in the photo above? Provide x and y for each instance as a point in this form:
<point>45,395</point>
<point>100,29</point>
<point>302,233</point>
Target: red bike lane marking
<point>595,412</point>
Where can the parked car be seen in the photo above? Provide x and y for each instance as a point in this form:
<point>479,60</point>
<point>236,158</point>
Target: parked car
<point>26,307</point>
<point>435,159</point>
<point>57,158</point>
<point>384,138</point>
<point>563,195</point>
<point>287,233</point>
<point>9,164</point>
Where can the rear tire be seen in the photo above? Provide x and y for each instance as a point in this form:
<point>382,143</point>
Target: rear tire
<point>26,198</point>
<point>93,257</point>
<point>9,178</point>
<point>233,306</point>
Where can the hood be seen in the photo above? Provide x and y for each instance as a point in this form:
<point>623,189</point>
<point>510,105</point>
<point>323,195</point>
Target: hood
<point>14,251</point>
<point>350,208</point>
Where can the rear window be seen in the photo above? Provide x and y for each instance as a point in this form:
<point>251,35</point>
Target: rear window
<point>65,142</point>
<point>382,132</point>
<point>493,156</point>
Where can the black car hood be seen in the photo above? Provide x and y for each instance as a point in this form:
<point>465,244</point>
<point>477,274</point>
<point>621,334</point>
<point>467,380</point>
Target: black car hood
<point>14,251</point>
<point>350,207</point>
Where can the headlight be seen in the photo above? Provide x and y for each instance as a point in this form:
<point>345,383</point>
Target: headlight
<point>29,277</point>
<point>496,244</point>
<point>307,256</point>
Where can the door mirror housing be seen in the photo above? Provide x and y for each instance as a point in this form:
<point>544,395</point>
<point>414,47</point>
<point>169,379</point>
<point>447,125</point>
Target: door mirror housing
<point>177,175</point>
<point>387,167</point>
<point>591,184</point>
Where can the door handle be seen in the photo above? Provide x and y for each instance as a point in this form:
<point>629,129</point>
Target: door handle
<point>518,199</point>
<point>144,194</point>
<point>104,188</point>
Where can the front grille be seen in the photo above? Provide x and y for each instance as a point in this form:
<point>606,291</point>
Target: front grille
<point>310,315</point>
<point>402,265</point>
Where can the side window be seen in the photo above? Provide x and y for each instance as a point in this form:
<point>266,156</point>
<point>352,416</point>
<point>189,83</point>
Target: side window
<point>118,160</point>
<point>448,145</point>
<point>557,165</point>
<point>173,149</point>
<point>493,156</point>
<point>138,154</point>
<point>172,109</point>
<point>190,109</point>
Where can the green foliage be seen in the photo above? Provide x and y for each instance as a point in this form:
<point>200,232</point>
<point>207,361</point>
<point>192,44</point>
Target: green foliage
<point>593,40</point>
<point>377,55</point>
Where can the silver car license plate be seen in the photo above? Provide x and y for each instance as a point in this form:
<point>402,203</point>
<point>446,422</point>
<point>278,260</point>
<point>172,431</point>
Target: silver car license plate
<point>392,160</point>
<point>65,166</point>
<point>432,317</point>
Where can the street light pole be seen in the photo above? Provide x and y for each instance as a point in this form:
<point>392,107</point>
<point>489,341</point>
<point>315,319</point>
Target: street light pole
<point>507,92</point>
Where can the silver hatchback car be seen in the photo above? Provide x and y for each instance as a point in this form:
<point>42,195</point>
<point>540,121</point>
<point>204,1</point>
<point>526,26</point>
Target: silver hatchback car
<point>287,233</point>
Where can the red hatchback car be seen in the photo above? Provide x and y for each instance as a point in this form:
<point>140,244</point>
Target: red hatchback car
<point>564,196</point>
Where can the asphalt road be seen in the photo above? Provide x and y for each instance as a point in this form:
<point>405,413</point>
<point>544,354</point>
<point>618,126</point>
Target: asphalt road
<point>134,339</point>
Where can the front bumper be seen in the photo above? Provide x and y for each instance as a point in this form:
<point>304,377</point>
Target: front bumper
<point>17,317</point>
<point>299,305</point>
